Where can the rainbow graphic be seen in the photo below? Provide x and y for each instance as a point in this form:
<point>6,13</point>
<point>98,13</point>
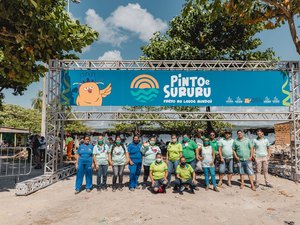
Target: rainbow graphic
<point>144,88</point>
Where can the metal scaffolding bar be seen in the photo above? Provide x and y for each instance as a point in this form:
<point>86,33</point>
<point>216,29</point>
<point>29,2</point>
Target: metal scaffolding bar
<point>56,114</point>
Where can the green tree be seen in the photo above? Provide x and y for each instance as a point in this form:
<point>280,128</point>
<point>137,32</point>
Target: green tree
<point>270,13</point>
<point>32,32</point>
<point>37,103</point>
<point>205,30</point>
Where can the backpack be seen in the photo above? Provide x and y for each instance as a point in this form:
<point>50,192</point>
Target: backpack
<point>112,149</point>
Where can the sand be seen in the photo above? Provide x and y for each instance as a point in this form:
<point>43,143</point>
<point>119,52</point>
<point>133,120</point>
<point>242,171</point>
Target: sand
<point>57,204</point>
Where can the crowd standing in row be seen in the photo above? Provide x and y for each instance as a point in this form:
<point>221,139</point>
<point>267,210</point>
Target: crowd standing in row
<point>182,158</point>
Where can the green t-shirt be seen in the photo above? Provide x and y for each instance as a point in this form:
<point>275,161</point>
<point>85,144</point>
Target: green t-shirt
<point>226,146</point>
<point>188,150</point>
<point>185,172</point>
<point>174,150</point>
<point>242,148</point>
<point>215,145</point>
<point>101,153</point>
<point>158,170</point>
<point>261,147</point>
<point>118,155</point>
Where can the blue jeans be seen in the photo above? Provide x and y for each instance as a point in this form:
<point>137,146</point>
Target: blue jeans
<point>193,164</point>
<point>102,173</point>
<point>84,169</point>
<point>135,171</point>
<point>172,165</point>
<point>226,166</point>
<point>211,171</point>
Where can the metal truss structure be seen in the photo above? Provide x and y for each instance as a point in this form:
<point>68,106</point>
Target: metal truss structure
<point>57,115</point>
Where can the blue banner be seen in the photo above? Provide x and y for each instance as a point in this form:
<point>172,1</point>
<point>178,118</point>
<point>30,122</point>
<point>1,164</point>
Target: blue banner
<point>174,88</point>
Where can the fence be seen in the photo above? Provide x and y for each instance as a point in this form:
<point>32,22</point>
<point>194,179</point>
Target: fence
<point>15,161</point>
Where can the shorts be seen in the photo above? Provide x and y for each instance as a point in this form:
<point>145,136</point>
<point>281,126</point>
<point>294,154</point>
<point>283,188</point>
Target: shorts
<point>160,182</point>
<point>245,167</point>
<point>226,167</point>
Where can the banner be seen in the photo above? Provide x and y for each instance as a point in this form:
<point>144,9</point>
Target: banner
<point>174,88</point>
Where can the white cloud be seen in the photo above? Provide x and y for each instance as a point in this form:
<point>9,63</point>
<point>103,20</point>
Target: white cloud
<point>135,19</point>
<point>130,18</point>
<point>111,55</point>
<point>86,49</point>
<point>107,32</point>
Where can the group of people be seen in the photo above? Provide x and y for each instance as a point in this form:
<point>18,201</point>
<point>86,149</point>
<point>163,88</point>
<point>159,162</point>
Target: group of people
<point>182,158</point>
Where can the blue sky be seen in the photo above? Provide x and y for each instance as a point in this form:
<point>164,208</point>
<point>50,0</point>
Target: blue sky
<point>125,26</point>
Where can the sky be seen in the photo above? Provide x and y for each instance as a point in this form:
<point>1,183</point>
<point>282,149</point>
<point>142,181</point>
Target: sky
<point>125,26</point>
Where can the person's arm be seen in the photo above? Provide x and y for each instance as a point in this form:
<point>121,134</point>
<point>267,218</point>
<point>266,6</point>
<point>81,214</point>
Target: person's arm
<point>268,149</point>
<point>151,177</point>
<point>200,153</point>
<point>166,173</point>
<point>251,151</point>
<point>167,156</point>
<point>194,177</point>
<point>180,150</point>
<point>213,157</point>
<point>76,163</point>
<point>110,157</point>
<point>197,154</point>
<point>127,158</point>
<point>220,153</point>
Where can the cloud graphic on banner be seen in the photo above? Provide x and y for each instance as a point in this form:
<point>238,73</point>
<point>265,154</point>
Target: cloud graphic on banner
<point>135,19</point>
<point>111,55</point>
<point>130,18</point>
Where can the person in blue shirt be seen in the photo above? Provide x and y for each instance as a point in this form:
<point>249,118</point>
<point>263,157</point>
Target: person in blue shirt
<point>84,160</point>
<point>135,162</point>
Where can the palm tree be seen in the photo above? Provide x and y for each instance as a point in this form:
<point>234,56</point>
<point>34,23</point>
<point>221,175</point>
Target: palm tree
<point>37,103</point>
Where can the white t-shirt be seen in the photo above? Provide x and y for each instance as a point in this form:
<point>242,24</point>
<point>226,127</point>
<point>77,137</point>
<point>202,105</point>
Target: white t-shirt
<point>261,147</point>
<point>226,145</point>
<point>206,154</point>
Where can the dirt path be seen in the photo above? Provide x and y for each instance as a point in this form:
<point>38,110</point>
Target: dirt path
<point>57,204</point>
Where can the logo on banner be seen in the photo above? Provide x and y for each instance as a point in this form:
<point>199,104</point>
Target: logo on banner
<point>144,88</point>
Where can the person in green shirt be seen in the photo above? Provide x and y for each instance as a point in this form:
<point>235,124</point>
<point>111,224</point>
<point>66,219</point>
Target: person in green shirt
<point>190,150</point>
<point>243,153</point>
<point>118,157</point>
<point>185,175</point>
<point>159,174</point>
<point>262,156</point>
<point>174,152</point>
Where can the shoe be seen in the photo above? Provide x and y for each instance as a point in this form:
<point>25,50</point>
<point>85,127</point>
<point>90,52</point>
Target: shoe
<point>197,188</point>
<point>180,192</point>
<point>175,188</point>
<point>120,188</point>
<point>192,191</point>
<point>88,190</point>
<point>206,188</point>
<point>269,185</point>
<point>220,184</point>
<point>137,187</point>
<point>256,186</point>
<point>181,189</point>
<point>144,186</point>
<point>216,189</point>
<point>76,192</point>
<point>98,189</point>
<point>105,188</point>
<point>131,189</point>
<point>114,189</point>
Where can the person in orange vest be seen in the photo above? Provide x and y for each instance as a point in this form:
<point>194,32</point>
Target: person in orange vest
<point>69,146</point>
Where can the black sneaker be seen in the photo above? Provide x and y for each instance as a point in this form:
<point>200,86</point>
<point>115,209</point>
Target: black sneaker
<point>120,188</point>
<point>114,189</point>
<point>144,186</point>
<point>76,192</point>
<point>182,189</point>
<point>269,185</point>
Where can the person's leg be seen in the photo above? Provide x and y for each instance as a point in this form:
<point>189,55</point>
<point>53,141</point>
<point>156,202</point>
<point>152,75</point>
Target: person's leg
<point>206,175</point>
<point>241,172</point>
<point>250,172</point>
<point>193,164</point>
<point>99,174</point>
<point>79,177</point>
<point>69,153</point>
<point>230,171</point>
<point>265,172</point>
<point>89,177</point>
<point>156,186</point>
<point>104,173</point>
<point>170,170</point>
<point>213,176</point>
<point>114,181</point>
<point>132,175</point>
<point>221,173</point>
<point>137,174</point>
<point>258,163</point>
<point>121,172</point>
<point>146,175</point>
<point>177,184</point>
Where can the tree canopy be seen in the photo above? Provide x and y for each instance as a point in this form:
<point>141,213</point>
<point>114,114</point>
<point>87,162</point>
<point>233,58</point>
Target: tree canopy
<point>31,33</point>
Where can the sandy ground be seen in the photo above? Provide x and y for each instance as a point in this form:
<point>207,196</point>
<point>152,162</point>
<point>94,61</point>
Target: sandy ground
<point>57,204</point>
